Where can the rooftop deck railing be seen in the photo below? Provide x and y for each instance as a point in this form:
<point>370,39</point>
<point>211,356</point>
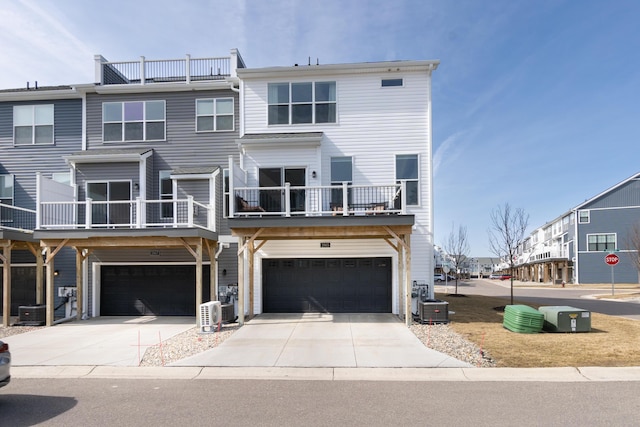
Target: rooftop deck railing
<point>336,200</point>
<point>17,219</point>
<point>162,71</point>
<point>91,214</point>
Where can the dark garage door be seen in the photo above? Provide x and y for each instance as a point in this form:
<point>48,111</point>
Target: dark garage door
<point>140,290</point>
<point>23,288</point>
<point>327,285</point>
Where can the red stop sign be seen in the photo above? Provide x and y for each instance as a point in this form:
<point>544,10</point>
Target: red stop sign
<point>611,259</point>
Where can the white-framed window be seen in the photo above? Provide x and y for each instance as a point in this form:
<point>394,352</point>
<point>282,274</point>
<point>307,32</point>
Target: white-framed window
<point>584,217</point>
<point>392,82</point>
<point>33,124</point>
<point>302,103</point>
<point>133,121</point>
<point>341,171</point>
<point>601,242</point>
<point>6,198</point>
<point>6,189</point>
<point>407,169</point>
<point>225,191</point>
<point>166,193</point>
<point>214,115</point>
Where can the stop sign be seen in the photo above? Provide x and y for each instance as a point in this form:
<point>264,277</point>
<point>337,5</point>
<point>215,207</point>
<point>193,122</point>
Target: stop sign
<point>611,259</point>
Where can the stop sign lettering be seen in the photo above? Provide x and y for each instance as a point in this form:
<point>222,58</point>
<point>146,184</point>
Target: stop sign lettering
<point>611,259</point>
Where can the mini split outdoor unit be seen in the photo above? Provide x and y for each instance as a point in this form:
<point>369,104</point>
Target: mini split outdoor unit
<point>210,316</point>
<point>433,311</point>
<point>32,315</point>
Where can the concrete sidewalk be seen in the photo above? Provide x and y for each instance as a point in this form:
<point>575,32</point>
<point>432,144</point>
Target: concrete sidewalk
<point>584,374</point>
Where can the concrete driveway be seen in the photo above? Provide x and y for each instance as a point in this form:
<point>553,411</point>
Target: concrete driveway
<point>323,340</point>
<point>268,340</point>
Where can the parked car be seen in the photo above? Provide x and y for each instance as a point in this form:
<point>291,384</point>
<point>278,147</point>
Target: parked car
<point>505,276</point>
<point>5,364</point>
<point>495,276</point>
<point>439,277</point>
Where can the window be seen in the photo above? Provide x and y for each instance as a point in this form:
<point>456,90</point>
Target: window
<point>341,171</point>
<point>133,121</point>
<point>166,193</point>
<point>583,217</point>
<point>62,177</point>
<point>601,242</point>
<point>32,124</point>
<point>407,169</point>
<point>6,189</point>
<point>225,190</point>
<point>302,103</point>
<point>214,115</point>
<point>391,82</point>
<point>6,198</point>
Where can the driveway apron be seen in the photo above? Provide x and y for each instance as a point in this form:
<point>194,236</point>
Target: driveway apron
<point>323,340</point>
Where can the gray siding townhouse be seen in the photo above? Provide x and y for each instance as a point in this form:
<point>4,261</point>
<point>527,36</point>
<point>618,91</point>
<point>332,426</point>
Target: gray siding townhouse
<point>142,207</point>
<point>573,247</point>
<point>39,126</point>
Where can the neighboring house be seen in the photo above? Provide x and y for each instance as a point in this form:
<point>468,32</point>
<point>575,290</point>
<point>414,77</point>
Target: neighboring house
<point>333,189</point>
<point>573,247</point>
<point>310,187</point>
<point>38,127</point>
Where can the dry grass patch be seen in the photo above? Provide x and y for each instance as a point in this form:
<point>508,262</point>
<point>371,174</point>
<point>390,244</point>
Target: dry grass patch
<point>613,341</point>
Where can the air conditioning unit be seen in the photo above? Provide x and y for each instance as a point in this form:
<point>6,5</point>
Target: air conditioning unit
<point>434,311</point>
<point>210,316</point>
<point>32,315</point>
<point>228,313</point>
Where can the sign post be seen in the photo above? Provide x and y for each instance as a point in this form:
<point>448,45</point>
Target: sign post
<point>446,270</point>
<point>612,259</point>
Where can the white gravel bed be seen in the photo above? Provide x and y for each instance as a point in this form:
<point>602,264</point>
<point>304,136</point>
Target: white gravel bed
<point>15,330</point>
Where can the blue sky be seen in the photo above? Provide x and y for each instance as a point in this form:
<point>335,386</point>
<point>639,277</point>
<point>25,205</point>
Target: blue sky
<point>535,103</point>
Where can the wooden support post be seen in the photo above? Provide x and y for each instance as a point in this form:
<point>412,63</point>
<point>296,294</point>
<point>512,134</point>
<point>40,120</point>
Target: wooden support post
<point>39,277</point>
<point>79,287</point>
<point>49,287</point>
<point>241,281</point>
<point>401,303</point>
<point>6,285</point>
<point>407,278</point>
<point>250,255</point>
<point>198,281</point>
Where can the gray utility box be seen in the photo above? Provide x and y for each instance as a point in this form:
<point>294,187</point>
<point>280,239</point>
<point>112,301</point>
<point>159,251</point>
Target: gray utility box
<point>561,318</point>
<point>433,311</point>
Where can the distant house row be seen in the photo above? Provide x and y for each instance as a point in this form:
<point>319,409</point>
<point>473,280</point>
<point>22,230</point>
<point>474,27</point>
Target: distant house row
<point>168,183</point>
<point>573,248</point>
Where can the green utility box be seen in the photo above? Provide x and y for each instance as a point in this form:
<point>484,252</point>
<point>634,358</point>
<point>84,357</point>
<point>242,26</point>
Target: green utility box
<point>562,318</point>
<point>523,319</point>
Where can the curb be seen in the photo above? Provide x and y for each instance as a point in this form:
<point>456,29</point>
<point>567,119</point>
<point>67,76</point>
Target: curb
<point>582,374</point>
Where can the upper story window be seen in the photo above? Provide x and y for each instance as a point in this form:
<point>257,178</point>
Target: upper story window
<point>601,242</point>
<point>214,115</point>
<point>302,103</point>
<point>61,177</point>
<point>407,169</point>
<point>583,217</point>
<point>392,82</point>
<point>133,121</point>
<point>32,124</point>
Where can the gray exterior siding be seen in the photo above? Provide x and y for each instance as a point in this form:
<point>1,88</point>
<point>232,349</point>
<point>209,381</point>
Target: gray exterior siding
<point>106,172</point>
<point>24,161</point>
<point>627,194</point>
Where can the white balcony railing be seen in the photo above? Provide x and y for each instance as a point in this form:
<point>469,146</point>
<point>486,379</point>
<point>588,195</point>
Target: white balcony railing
<point>16,218</point>
<point>91,214</point>
<point>336,200</point>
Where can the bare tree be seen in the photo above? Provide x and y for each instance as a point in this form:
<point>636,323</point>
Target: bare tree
<point>633,244</point>
<point>507,231</point>
<point>457,247</point>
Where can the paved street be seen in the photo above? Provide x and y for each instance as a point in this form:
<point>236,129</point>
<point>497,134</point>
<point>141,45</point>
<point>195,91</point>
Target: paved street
<point>152,402</point>
<point>546,295</point>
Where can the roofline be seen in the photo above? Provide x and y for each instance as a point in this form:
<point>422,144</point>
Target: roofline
<point>165,87</point>
<point>353,68</point>
<point>69,92</point>
<point>632,177</point>
<point>107,158</point>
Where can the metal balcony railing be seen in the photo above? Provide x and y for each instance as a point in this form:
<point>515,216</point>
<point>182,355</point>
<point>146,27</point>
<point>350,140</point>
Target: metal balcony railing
<point>336,200</point>
<point>91,214</point>
<point>16,218</point>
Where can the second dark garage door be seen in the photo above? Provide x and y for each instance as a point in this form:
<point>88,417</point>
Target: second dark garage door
<point>140,290</point>
<point>327,285</point>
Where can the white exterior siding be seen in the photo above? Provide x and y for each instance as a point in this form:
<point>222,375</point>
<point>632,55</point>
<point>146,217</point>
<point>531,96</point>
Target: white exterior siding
<point>374,123</point>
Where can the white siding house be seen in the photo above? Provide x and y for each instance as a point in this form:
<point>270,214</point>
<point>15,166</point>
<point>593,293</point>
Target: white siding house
<point>365,127</point>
